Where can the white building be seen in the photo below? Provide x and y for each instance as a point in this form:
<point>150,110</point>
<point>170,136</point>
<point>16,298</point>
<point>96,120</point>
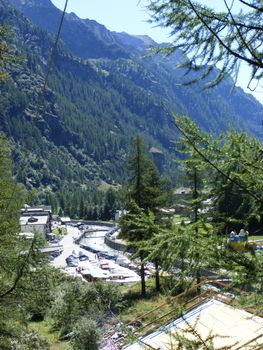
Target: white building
<point>36,219</point>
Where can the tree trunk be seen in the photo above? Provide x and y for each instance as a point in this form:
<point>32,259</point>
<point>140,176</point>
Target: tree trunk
<point>198,280</point>
<point>157,277</point>
<point>195,196</point>
<point>143,287</point>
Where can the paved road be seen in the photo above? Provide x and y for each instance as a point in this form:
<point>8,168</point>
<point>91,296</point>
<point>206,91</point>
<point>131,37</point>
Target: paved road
<point>68,245</point>
<point>97,239</point>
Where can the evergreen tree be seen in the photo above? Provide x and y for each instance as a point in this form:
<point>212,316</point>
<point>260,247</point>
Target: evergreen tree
<point>144,193</point>
<point>110,204</point>
<point>235,201</point>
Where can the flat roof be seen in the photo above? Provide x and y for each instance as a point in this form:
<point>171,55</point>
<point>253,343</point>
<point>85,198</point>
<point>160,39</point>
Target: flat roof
<point>46,208</point>
<point>51,249</point>
<point>225,325</point>
<point>65,218</point>
<point>41,220</point>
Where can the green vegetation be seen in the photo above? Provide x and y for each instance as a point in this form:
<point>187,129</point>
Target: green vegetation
<point>254,238</point>
<point>208,37</point>
<point>19,300</point>
<point>44,328</point>
<point>79,133</point>
<point>59,231</point>
<point>145,195</point>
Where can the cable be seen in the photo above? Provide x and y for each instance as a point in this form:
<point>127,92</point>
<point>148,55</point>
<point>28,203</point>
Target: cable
<point>54,46</point>
<point>21,270</point>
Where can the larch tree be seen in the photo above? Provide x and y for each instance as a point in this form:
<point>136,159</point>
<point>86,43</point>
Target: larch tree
<point>208,37</point>
<point>145,195</point>
<point>234,187</point>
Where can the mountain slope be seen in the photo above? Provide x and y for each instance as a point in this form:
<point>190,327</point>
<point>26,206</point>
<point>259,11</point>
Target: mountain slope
<point>99,96</point>
<point>78,31</point>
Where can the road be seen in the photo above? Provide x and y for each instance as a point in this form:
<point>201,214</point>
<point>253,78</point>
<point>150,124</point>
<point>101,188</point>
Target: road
<point>97,239</point>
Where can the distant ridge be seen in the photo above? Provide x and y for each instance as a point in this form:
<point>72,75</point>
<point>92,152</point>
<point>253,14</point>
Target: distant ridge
<point>102,91</point>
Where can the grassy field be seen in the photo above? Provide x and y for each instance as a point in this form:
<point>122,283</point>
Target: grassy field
<point>177,219</point>
<point>44,329</point>
<point>255,238</point>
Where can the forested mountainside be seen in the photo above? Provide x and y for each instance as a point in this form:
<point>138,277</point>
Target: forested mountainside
<point>102,91</point>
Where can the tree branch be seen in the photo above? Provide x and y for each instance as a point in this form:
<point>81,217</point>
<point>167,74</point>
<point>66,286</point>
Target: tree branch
<point>240,34</point>
<point>235,54</point>
<point>252,6</point>
<point>20,272</point>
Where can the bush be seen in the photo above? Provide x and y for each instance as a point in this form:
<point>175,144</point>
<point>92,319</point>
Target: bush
<point>29,341</point>
<point>76,299</point>
<point>85,335</point>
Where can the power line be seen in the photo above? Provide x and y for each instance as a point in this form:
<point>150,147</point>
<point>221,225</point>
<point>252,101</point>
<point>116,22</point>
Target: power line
<point>54,46</point>
<point>53,51</point>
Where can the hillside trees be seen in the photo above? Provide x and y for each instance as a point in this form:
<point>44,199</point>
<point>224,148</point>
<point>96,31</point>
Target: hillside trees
<point>86,203</point>
<point>208,37</point>
<point>6,54</point>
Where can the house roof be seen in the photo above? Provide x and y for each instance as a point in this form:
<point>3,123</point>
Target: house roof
<point>225,325</point>
<point>34,220</point>
<point>65,219</point>
<point>40,210</point>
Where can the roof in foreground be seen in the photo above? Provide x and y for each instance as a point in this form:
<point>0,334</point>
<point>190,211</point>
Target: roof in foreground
<point>225,325</point>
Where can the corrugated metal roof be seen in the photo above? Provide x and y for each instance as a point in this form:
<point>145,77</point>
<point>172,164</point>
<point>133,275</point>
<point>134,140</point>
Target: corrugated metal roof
<point>225,325</point>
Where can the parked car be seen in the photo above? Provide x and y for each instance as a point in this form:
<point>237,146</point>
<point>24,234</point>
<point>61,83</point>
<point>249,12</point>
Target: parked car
<point>55,253</point>
<point>83,257</point>
<point>54,241</point>
<point>106,255</point>
<point>72,261</point>
<point>122,261</point>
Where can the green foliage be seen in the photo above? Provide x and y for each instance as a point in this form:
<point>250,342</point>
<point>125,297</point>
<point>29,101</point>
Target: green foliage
<point>41,284</point>
<point>19,259</point>
<point>30,341</point>
<point>231,172</point>
<point>85,335</point>
<point>187,249</point>
<point>76,300</point>
<point>208,37</point>
<point>145,196</point>
<point>233,184</point>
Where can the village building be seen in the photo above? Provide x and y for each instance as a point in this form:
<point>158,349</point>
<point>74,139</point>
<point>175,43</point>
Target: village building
<point>64,220</point>
<point>36,219</point>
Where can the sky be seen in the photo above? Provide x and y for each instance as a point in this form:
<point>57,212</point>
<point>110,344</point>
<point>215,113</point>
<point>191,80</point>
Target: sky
<point>131,16</point>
